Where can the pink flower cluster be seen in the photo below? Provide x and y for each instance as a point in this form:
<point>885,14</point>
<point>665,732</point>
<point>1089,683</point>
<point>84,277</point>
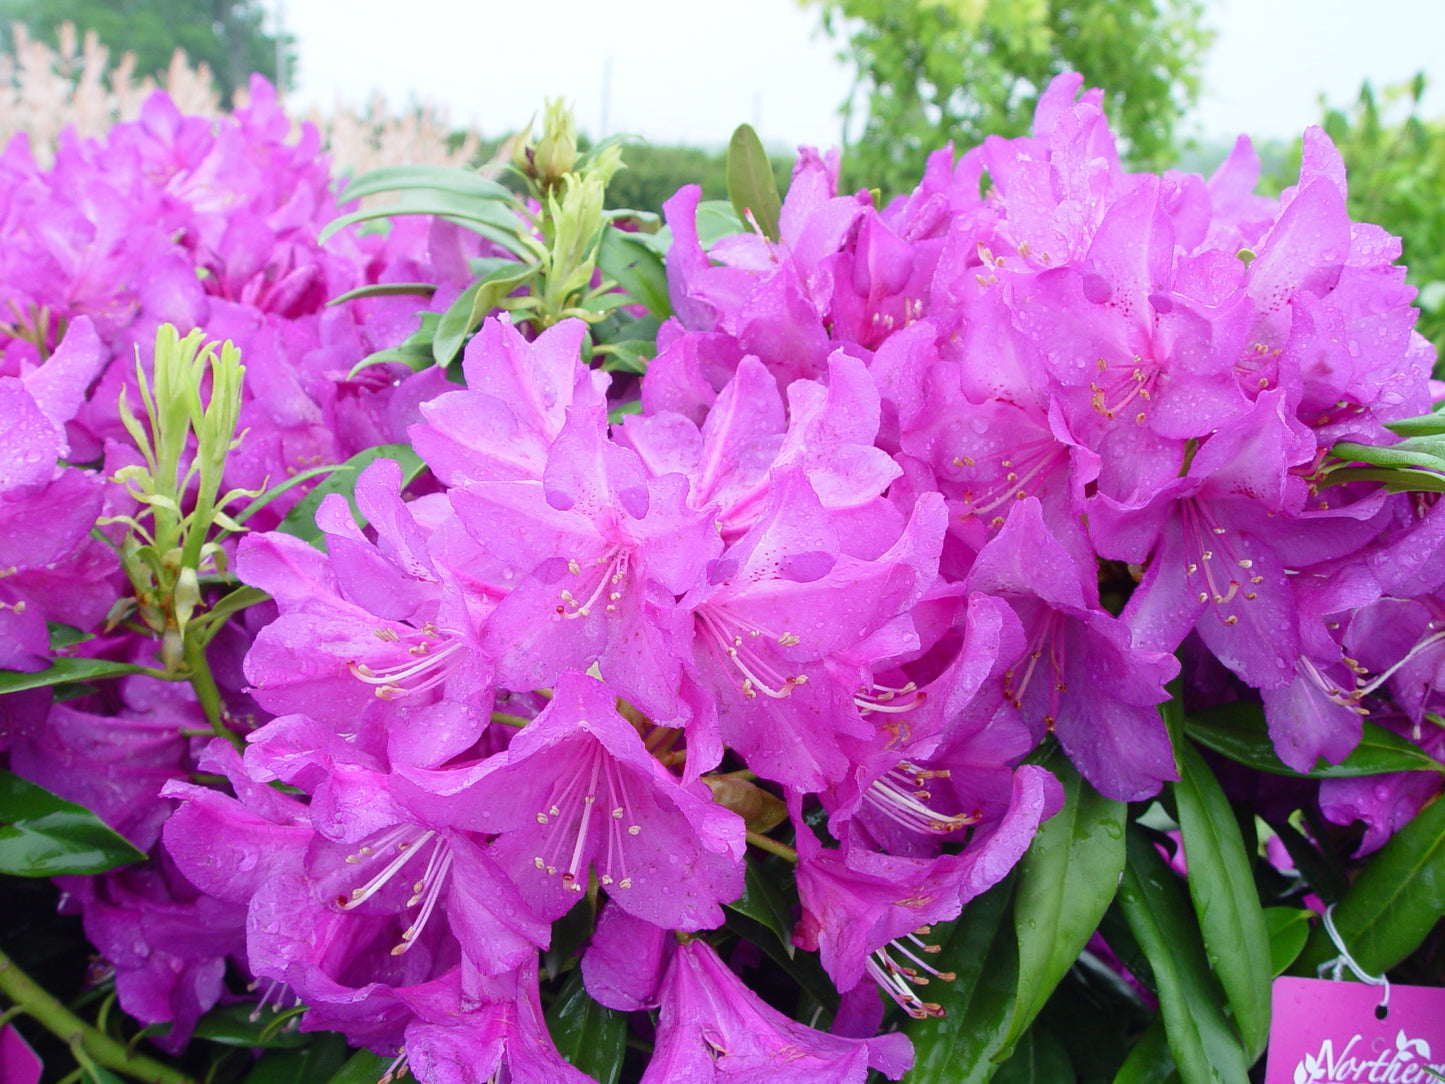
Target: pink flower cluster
<point>909,490</point>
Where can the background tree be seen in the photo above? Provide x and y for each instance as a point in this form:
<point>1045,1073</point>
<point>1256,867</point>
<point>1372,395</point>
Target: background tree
<point>228,35</point>
<point>930,71</point>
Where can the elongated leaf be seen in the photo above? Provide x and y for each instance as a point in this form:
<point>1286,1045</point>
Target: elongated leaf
<point>1149,1062</point>
<point>455,325</point>
<point>980,950</point>
<point>66,635</point>
<point>43,835</point>
<point>1238,731</point>
<point>1431,424</point>
<point>763,902</point>
<point>63,672</point>
<point>751,186</point>
<point>1394,455</point>
<point>590,1036</point>
<point>363,1067</point>
<point>716,219</point>
<point>1203,1045</point>
<point>301,520</point>
<point>1394,902</point>
<point>275,491</point>
<point>415,358</point>
<point>458,182</point>
<point>492,220</point>
<point>1395,479</point>
<point>231,1025</point>
<point>1066,880</point>
<point>1221,883</point>
<point>387,289</point>
<point>1039,1058</point>
<point>1289,929</point>
<point>802,967</point>
<point>638,269</point>
<point>321,1058</point>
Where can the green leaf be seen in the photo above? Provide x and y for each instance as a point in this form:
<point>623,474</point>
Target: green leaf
<point>1221,883</point>
<point>717,219</point>
<point>458,182</point>
<point>387,289</point>
<point>1149,1062</point>
<point>66,635</point>
<point>301,520</point>
<point>231,1025</point>
<point>455,325</point>
<point>363,1067</point>
<point>43,835</point>
<point>1424,425</point>
<point>415,357</point>
<point>493,220</point>
<point>1039,1058</point>
<point>1289,929</point>
<point>1066,880</point>
<point>320,1059</point>
<point>1394,902</point>
<point>1238,731</point>
<point>751,186</point>
<point>1201,1041</point>
<point>638,269</point>
<point>1395,479</point>
<point>64,671</point>
<point>617,413</point>
<point>1394,455</point>
<point>980,950</point>
<point>763,902</point>
<point>626,356</point>
<point>590,1036</point>
<point>802,967</point>
<point>275,491</point>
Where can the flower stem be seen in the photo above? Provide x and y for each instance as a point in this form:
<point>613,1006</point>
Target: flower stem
<point>40,1006</point>
<point>207,692</point>
<point>771,845</point>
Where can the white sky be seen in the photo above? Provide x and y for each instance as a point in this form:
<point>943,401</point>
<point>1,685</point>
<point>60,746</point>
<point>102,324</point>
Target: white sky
<point>689,71</point>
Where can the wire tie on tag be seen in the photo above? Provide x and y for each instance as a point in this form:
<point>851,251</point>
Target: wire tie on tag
<point>1336,966</point>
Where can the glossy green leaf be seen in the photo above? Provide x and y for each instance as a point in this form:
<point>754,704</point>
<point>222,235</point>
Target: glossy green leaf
<point>751,185</point>
<point>321,1058</point>
<point>980,949</point>
<point>1221,883</point>
<point>590,1036</point>
<point>717,219</point>
<point>63,672</point>
<point>1149,1062</point>
<point>765,903</point>
<point>1322,869</point>
<point>231,1025</point>
<point>1395,479</point>
<point>1039,1058</point>
<point>301,520</point>
<point>638,269</point>
<point>1204,1046</point>
<point>387,289</point>
<point>1289,929</point>
<point>363,1067</point>
<point>1394,901</point>
<point>1238,731</point>
<point>43,835</point>
<point>1066,880</point>
<point>458,182</point>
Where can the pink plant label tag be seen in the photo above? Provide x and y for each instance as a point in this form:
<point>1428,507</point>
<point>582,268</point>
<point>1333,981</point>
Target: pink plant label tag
<point>1329,1033</point>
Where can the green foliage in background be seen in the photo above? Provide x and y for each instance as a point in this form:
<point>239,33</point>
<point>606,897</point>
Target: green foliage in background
<point>929,71</point>
<point>228,35</point>
<point>653,173</point>
<point>1396,167</point>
